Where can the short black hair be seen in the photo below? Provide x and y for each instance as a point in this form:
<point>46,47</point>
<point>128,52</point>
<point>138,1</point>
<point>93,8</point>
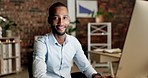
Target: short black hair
<point>53,6</point>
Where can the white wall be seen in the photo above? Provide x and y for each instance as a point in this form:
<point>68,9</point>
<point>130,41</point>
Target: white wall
<point>72,13</point>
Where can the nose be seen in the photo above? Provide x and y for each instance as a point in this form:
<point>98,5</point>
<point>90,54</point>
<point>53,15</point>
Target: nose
<point>60,21</point>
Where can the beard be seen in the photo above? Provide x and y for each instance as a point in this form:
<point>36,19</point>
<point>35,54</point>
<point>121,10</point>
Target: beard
<point>55,31</point>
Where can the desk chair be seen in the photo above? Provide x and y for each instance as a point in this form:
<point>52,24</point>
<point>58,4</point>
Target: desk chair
<point>99,30</point>
<point>30,60</point>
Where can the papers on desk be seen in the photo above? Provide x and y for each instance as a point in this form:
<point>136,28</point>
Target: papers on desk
<point>115,50</point>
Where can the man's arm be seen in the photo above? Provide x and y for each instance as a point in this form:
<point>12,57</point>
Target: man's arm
<point>39,65</point>
<point>96,75</point>
<point>82,62</point>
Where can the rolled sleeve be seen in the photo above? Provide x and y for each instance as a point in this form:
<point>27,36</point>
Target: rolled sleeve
<point>82,62</point>
<point>39,65</point>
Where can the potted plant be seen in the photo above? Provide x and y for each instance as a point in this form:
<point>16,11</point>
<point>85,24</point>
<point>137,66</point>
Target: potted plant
<point>6,25</point>
<point>101,14</point>
<point>71,27</point>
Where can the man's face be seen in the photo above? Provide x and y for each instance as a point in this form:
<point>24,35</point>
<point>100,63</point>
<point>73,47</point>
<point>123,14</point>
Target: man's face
<point>60,20</point>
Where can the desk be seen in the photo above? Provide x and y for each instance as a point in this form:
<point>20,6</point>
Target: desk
<point>98,57</point>
<point>104,57</point>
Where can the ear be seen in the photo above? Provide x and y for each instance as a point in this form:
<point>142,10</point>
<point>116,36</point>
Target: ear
<point>49,20</point>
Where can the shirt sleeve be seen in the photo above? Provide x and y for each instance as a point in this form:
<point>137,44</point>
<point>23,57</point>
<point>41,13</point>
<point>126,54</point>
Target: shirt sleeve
<point>82,62</point>
<point>39,65</point>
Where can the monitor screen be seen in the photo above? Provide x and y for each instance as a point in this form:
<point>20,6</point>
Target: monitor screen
<point>134,60</point>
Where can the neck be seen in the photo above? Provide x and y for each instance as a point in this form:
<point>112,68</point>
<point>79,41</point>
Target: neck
<point>60,38</point>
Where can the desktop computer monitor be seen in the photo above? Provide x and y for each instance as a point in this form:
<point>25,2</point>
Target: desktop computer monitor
<point>134,59</point>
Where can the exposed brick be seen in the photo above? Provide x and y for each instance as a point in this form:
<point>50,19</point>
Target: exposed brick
<point>31,17</point>
<point>120,22</point>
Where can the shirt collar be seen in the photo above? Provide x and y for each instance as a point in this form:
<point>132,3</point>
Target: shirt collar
<point>54,41</point>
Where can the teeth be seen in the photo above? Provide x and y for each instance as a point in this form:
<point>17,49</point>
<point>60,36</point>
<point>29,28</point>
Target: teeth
<point>61,27</point>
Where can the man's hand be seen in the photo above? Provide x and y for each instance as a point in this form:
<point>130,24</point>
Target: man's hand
<point>97,76</point>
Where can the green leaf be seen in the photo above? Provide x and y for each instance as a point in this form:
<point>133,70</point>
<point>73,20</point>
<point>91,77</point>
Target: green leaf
<point>0,21</point>
<point>7,26</point>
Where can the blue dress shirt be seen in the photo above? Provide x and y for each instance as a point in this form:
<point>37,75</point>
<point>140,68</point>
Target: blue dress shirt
<point>52,60</point>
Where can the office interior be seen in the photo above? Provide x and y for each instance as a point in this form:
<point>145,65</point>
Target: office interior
<point>29,21</point>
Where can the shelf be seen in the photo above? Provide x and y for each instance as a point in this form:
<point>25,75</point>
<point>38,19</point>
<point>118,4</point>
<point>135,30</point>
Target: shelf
<point>9,73</point>
<point>9,55</point>
<point>9,40</point>
<point>13,57</point>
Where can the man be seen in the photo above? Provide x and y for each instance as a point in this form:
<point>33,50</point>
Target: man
<point>54,52</point>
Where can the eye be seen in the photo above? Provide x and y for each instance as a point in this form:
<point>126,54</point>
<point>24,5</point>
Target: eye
<point>55,18</point>
<point>65,17</point>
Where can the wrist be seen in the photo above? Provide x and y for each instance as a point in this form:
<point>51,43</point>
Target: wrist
<point>98,74</point>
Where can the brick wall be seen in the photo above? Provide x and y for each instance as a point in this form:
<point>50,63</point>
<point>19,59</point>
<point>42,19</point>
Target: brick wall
<point>122,10</point>
<point>31,17</point>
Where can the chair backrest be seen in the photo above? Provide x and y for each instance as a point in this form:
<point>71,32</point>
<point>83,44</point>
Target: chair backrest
<point>30,60</point>
<point>101,31</point>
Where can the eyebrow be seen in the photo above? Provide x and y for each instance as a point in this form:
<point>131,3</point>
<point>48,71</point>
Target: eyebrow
<point>58,15</point>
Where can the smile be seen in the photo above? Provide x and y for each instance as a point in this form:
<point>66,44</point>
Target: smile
<point>61,28</point>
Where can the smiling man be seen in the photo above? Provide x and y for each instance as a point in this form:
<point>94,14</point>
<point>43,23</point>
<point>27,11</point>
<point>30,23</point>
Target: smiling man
<point>55,51</point>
